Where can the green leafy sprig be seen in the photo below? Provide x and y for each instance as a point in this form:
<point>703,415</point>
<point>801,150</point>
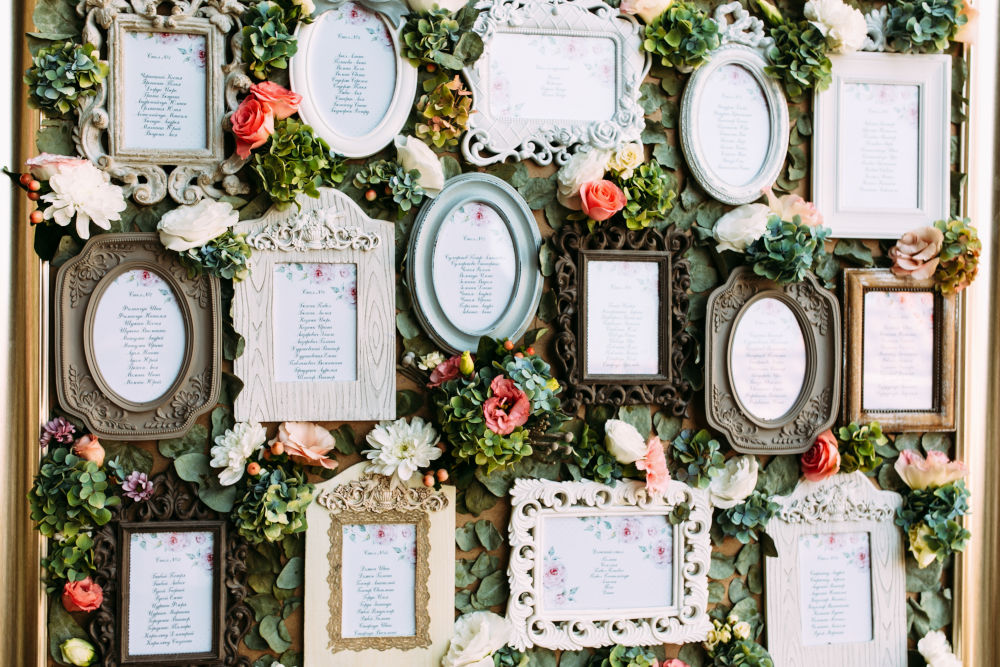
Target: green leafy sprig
<point>696,457</point>
<point>682,36</point>
<point>296,161</point>
<point>226,256</point>
<point>623,656</point>
<point>959,259</point>
<point>798,55</point>
<point>62,76</point>
<point>858,447</point>
<point>268,38</point>
<point>921,26</point>
<point>786,251</point>
<point>742,521</point>
<point>273,504</point>
<point>443,111</point>
<point>648,196</point>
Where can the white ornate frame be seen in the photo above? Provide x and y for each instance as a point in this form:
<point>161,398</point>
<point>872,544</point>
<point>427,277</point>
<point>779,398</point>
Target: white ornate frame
<point>932,73</point>
<point>492,139</point>
<point>743,43</point>
<point>196,173</point>
<point>330,229</point>
<point>686,620</point>
<point>843,503</point>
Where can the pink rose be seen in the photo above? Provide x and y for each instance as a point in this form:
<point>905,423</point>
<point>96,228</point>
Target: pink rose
<point>787,207</point>
<point>630,530</point>
<point>601,199</point>
<point>306,443</point>
<point>661,553</point>
<point>655,464</point>
<point>916,253</point>
<point>554,575</point>
<point>82,596</point>
<point>507,408</point>
<point>446,370</point>
<point>281,101</point>
<point>934,471</point>
<point>253,125</point>
<point>674,662</point>
<point>823,459</point>
<point>383,534</point>
<point>47,165</point>
<point>89,449</point>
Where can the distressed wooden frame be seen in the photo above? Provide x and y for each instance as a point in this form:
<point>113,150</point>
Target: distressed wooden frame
<point>818,314</point>
<point>330,229</point>
<point>685,620</point>
<point>840,504</point>
<point>80,386</point>
<point>858,282</point>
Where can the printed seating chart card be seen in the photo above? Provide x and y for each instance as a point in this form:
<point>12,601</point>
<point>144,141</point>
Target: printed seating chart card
<point>623,317</point>
<point>835,588</point>
<point>379,580</point>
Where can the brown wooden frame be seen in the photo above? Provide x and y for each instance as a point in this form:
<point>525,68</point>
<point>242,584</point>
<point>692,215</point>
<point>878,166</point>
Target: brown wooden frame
<point>575,247</point>
<point>857,282</point>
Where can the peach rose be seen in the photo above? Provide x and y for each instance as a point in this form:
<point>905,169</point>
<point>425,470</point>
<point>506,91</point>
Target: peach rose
<point>916,254</point>
<point>306,443</point>
<point>281,101</point>
<point>788,206</point>
<point>253,125</point>
<point>823,459</point>
<point>601,199</point>
<point>968,32</point>
<point>82,595</point>
<point>89,449</point>
<point>934,471</point>
<point>45,166</point>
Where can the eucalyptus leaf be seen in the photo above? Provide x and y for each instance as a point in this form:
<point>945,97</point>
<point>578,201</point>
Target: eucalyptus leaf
<point>738,591</point>
<point>651,98</point>
<point>492,590</point>
<point>61,627</point>
<point>463,601</point>
<point>547,259</point>
<point>780,476</point>
<point>722,566</point>
<point>343,438</point>
<point>450,166</point>
<point>465,537</point>
<point>195,468</point>
<point>936,442</point>
<point>261,582</point>
<point>667,427</point>
<point>130,457</point>
<point>693,655</point>
<point>755,581</point>
<point>907,441</point>
<point>573,658</point>
<point>488,535</point>
<point>254,641</point>
<point>263,605</point>
<point>408,402</point>
<point>406,325</point>
<point>291,575</point>
<point>716,592</point>
<point>478,499</point>
<point>921,579</point>
<point>638,416</point>
<point>270,633</point>
<point>855,252</point>
<point>463,573</point>
<point>194,441</point>
<point>547,306</point>
<point>937,606</point>
<point>667,155</point>
<point>222,421</point>
<point>749,555</point>
<point>541,657</point>
<point>539,192</point>
<point>484,566</point>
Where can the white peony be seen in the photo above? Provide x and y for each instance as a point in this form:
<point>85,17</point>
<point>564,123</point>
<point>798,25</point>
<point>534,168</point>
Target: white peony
<point>477,637</point>
<point>647,10</point>
<point>626,158</point>
<point>415,154</point>
<point>195,225</point>
<point>732,484</point>
<point>741,227</point>
<point>624,441</point>
<point>936,650</point>
<point>583,167</point>
<point>232,449</point>
<point>843,26</point>
<point>401,448</point>
<point>83,191</point>
<point>427,5</point>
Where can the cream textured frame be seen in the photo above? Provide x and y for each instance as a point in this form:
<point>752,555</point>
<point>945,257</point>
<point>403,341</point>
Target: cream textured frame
<point>196,173</point>
<point>839,504</point>
<point>686,620</point>
<point>491,139</point>
<point>331,228</point>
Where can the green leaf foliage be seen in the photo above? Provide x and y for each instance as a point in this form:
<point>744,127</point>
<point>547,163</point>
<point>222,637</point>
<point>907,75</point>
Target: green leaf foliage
<point>268,38</point>
<point>959,255</point>
<point>922,26</point>
<point>648,195</point>
<point>682,36</point>
<point>226,256</point>
<point>745,519</point>
<point>296,162</point>
<point>858,447</point>
<point>787,250</point>
<point>798,57</point>
<point>695,458</point>
<point>272,505</point>
<point>62,76</point>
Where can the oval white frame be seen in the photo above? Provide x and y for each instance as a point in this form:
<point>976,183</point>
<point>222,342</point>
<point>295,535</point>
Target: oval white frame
<point>520,221</point>
<point>392,122</point>
<point>753,62</point>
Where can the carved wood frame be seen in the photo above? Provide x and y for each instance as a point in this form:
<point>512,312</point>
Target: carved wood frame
<point>196,173</point>
<point>857,283</point>
<point>80,387</point>
<point>686,620</point>
<point>818,314</point>
<point>173,501</point>
<point>573,246</point>
<point>840,504</point>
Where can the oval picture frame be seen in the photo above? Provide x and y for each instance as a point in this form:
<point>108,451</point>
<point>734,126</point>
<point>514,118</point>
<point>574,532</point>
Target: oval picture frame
<point>310,38</point>
<point>753,62</point>
<point>525,237</point>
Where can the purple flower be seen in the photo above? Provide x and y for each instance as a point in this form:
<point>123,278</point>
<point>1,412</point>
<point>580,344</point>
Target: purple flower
<point>137,486</point>
<point>59,430</point>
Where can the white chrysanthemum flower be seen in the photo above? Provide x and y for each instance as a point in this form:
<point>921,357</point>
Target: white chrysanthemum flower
<point>843,26</point>
<point>401,448</point>
<point>232,449</point>
<point>83,192</point>
<point>430,361</point>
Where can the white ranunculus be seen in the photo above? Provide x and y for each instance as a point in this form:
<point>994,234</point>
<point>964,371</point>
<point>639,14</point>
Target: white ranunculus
<point>82,191</point>
<point>232,449</point>
<point>624,441</point>
<point>585,166</point>
<point>733,483</point>
<point>476,638</point>
<point>415,154</point>
<point>843,26</point>
<point>647,10</point>
<point>195,225</point>
<point>427,5</point>
<point>936,650</point>
<point>741,227</point>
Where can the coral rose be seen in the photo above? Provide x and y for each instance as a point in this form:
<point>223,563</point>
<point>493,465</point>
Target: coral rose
<point>306,443</point>
<point>82,595</point>
<point>601,199</point>
<point>89,448</point>
<point>507,408</point>
<point>253,125</point>
<point>281,101</point>
<point>823,459</point>
<point>446,370</point>
<point>916,253</point>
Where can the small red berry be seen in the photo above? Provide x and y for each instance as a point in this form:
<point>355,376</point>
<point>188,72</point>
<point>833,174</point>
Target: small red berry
<point>508,345</point>
<point>253,469</point>
<point>25,179</point>
<point>33,196</point>
<point>34,185</point>
<point>431,67</point>
<point>370,195</point>
<point>278,448</point>
<point>428,480</point>
<point>518,355</point>
<point>530,351</point>
<point>442,475</point>
<point>36,217</point>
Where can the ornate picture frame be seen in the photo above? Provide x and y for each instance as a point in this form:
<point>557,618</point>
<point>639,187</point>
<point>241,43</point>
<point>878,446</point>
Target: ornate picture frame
<point>684,619</point>
<point>743,43</point>
<point>93,380</point>
<point>575,247</point>
<point>497,133</point>
<point>355,498</point>
<point>937,364</point>
<point>101,134</point>
<point>804,413</point>
<point>840,507</point>
<point>331,232</point>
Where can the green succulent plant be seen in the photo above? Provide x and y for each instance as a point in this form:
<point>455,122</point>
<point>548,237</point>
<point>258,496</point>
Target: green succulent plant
<point>858,446</point>
<point>62,76</point>
<point>443,111</point>
<point>594,459</point>
<point>436,38</point>
<point>296,161</point>
<point>268,38</point>
<point>682,36</point>
<point>798,57</point>
<point>623,656</point>
<point>919,26</point>
<point>390,182</point>
<point>742,521</point>
<point>508,656</point>
<point>648,196</point>
<point>226,256</point>
<point>273,505</point>
<point>696,457</point>
<point>786,250</point>
<point>959,259</point>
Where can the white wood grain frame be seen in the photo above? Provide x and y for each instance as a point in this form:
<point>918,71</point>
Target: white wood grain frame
<point>329,229</point>
<point>686,620</point>
<point>932,74</point>
<point>844,503</point>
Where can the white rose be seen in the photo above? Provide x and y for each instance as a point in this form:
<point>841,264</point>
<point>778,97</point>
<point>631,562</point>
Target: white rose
<point>583,167</point>
<point>741,227</point>
<point>626,158</point>
<point>624,441</point>
<point>195,225</point>
<point>734,482</point>
<point>843,26</point>
<point>476,638</point>
<point>647,10</point>
<point>415,154</point>
<point>427,5</point>
<point>936,650</point>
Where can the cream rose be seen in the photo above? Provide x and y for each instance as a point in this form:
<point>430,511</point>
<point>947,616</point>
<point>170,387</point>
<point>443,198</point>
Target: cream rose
<point>583,167</point>
<point>843,26</point>
<point>741,227</point>
<point>476,638</point>
<point>415,154</point>
<point>647,10</point>
<point>427,5</point>
<point>626,158</point>
<point>936,651</point>
<point>734,482</point>
<point>195,225</point>
<point>307,6</point>
<point>624,441</point>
